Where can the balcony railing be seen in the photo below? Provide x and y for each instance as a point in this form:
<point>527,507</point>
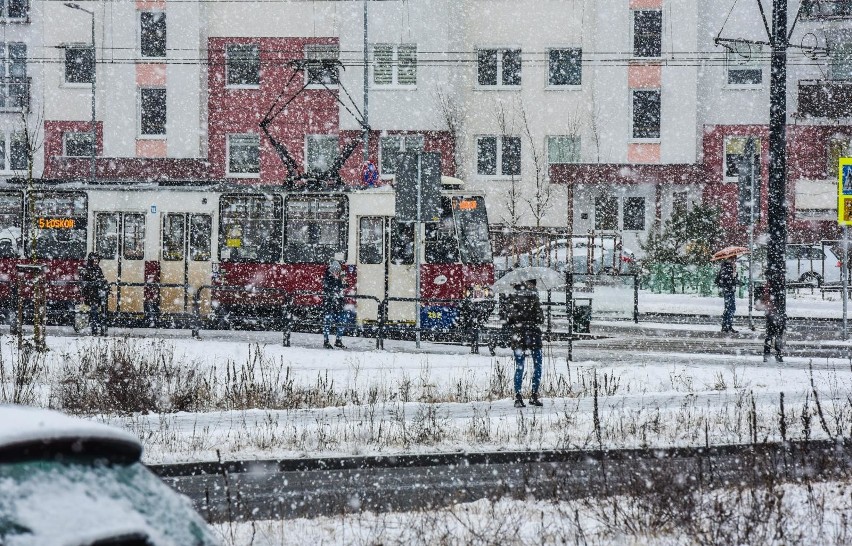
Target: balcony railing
<point>823,9</point>
<point>825,98</point>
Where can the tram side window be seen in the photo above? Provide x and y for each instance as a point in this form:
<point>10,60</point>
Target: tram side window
<point>11,206</point>
<point>402,243</point>
<point>250,228</point>
<point>58,227</point>
<point>200,226</point>
<point>472,225</point>
<point>371,240</point>
<point>442,243</point>
<point>106,235</point>
<point>133,246</point>
<point>315,229</point>
<point>173,237</point>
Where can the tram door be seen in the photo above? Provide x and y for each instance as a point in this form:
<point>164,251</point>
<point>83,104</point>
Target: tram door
<point>185,261</point>
<point>386,266</point>
<point>120,241</point>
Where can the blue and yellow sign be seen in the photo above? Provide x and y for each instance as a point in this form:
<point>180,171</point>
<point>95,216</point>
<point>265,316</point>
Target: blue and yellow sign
<point>844,192</point>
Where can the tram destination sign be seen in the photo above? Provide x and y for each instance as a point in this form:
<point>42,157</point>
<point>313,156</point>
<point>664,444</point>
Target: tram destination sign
<point>430,187</point>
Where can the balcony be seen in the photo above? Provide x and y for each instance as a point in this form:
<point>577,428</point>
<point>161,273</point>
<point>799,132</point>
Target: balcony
<point>826,9</point>
<point>825,98</point>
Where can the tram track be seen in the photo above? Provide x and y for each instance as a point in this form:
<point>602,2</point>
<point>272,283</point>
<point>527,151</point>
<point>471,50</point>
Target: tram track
<point>252,490</point>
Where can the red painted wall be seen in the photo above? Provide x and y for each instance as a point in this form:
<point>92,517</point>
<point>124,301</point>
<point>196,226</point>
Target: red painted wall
<point>433,141</point>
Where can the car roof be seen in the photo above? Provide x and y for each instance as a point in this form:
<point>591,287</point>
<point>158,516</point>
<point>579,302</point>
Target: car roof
<point>33,434</point>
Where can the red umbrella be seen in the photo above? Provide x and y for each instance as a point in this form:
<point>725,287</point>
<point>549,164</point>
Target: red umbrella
<point>729,252</point>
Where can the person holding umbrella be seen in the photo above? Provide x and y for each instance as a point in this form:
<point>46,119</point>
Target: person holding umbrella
<point>727,281</point>
<point>523,319</point>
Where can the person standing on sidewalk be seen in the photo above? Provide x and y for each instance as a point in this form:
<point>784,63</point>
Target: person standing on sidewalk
<point>774,324</point>
<point>727,282</point>
<point>523,319</point>
<point>95,291</point>
<point>332,304</point>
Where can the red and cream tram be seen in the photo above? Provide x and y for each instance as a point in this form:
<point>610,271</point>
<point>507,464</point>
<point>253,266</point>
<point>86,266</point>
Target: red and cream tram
<point>245,249</point>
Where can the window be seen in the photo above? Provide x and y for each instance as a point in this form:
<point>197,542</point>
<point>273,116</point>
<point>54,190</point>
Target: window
<point>152,112</point>
<point>174,237</point>
<point>606,212</point>
<point>14,92</point>
<point>734,149</point>
<point>371,240</point>
<point>395,64</point>
<point>250,228</point>
<point>402,242</point>
<point>840,59</point>
<point>324,65</point>
<point>646,114</point>
<point>200,228</point>
<point>66,242</point>
<point>563,149</point>
<point>744,66</point>
<point>13,151</point>
<point>106,235</point>
<point>322,151</point>
<point>472,225</point>
<point>827,8</point>
<point>11,212</point>
<point>243,155</point>
<point>79,64</point>
<point>15,9</point>
<point>392,149</point>
<point>133,245</point>
<point>77,144</point>
<point>837,147</point>
<point>499,67</point>
<point>565,67</point>
<point>498,155</point>
<point>679,203</point>
<point>315,229</point>
<point>634,213</point>
<point>647,33</point>
<point>152,33</point>
<point>242,65</point>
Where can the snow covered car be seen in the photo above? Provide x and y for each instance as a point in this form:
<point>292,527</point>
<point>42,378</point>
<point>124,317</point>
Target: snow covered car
<point>72,482</point>
<point>809,264</point>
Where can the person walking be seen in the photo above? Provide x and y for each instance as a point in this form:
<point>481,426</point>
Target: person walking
<point>95,292</point>
<point>774,324</point>
<point>523,319</point>
<point>332,290</point>
<point>727,281</point>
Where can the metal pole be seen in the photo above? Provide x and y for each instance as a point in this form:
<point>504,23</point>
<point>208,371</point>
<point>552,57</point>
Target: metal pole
<point>94,131</point>
<point>366,89</point>
<point>750,153</point>
<point>844,272</point>
<point>777,208</point>
<point>417,229</point>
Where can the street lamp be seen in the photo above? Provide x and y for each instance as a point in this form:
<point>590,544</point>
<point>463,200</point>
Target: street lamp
<point>73,5</point>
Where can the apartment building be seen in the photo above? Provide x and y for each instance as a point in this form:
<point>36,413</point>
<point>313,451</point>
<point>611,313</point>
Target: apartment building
<point>599,114</point>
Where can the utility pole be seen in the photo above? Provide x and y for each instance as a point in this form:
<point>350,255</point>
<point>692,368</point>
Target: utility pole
<point>777,207</point>
<point>366,88</point>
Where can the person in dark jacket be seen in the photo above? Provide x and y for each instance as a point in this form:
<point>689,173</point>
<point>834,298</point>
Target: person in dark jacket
<point>727,282</point>
<point>523,319</point>
<point>332,305</point>
<point>95,292</point>
<point>774,324</point>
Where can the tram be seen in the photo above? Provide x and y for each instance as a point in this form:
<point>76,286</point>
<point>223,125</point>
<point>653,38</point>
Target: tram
<point>240,252</point>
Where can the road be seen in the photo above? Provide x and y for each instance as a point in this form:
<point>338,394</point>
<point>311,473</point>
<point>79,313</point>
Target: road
<point>313,487</point>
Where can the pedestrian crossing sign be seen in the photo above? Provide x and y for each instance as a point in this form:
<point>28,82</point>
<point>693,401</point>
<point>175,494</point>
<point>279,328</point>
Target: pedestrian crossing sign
<point>844,191</point>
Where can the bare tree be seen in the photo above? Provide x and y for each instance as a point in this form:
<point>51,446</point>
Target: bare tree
<point>452,113</point>
<point>541,199</point>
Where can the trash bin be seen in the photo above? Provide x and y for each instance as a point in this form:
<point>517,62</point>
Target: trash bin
<point>582,314</point>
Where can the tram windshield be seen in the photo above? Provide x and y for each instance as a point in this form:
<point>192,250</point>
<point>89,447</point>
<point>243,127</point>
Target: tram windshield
<point>11,206</point>
<point>250,228</point>
<point>461,235</point>
<point>58,225</point>
<point>315,229</point>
